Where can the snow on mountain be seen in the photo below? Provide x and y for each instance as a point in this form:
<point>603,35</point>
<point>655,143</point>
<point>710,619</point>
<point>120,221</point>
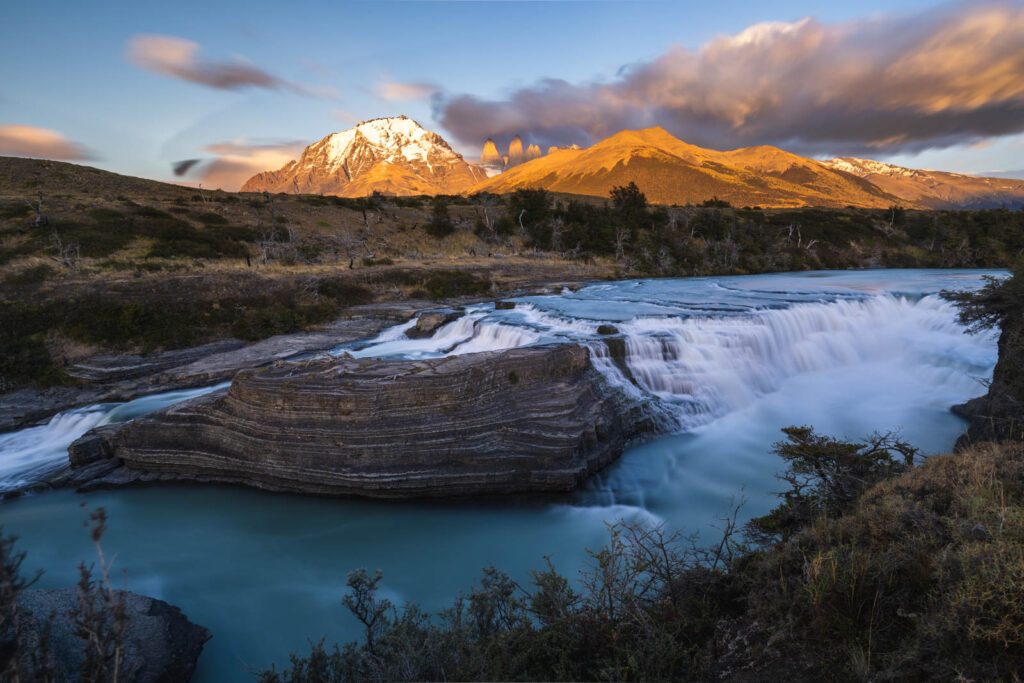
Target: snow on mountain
<point>394,155</point>
<point>863,167</point>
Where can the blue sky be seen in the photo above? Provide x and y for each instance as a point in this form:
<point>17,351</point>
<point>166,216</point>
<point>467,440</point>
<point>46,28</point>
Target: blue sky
<point>64,66</point>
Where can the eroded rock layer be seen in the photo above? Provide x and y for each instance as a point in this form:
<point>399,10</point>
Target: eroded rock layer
<point>533,419</point>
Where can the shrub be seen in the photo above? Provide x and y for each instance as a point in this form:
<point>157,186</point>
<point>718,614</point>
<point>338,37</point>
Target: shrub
<point>447,284</point>
<point>440,224</point>
<point>30,276</point>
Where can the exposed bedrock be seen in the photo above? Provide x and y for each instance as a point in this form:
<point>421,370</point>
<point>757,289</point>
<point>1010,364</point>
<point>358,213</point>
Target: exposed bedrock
<point>536,419</point>
<point>160,643</point>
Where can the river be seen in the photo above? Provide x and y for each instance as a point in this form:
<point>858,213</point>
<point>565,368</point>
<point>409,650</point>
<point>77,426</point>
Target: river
<point>728,361</point>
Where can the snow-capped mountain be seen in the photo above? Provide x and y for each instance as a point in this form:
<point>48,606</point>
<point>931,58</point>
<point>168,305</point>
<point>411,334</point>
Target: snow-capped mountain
<point>863,167</point>
<point>395,156</point>
<point>934,189</point>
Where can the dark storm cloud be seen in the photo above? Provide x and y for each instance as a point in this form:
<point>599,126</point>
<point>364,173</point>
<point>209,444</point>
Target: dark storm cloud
<point>896,84</point>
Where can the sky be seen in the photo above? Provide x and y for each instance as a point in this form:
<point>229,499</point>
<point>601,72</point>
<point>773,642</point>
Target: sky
<point>135,87</point>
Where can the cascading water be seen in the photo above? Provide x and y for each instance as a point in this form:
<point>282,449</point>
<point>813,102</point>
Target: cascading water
<point>731,359</point>
<point>31,455</point>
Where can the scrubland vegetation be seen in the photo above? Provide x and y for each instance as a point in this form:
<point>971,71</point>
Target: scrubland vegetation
<point>93,262</point>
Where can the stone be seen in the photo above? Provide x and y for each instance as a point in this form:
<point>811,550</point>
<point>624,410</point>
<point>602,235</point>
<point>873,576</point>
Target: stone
<point>428,322</point>
<point>607,329</point>
<point>161,643</point>
<point>533,419</point>
<point>504,305</point>
<point>93,446</point>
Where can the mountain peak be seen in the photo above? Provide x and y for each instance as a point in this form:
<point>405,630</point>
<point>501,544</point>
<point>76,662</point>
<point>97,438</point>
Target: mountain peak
<point>394,154</point>
<point>865,167</point>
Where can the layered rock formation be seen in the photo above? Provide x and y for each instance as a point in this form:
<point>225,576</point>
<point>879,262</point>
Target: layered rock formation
<point>533,152</point>
<point>537,419</point>
<point>395,156</point>
<point>161,644</point>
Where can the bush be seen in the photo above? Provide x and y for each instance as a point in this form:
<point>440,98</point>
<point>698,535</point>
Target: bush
<point>448,284</point>
<point>30,276</point>
<point>440,224</point>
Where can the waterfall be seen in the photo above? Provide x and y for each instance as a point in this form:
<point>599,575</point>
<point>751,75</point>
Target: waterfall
<point>710,366</point>
<point>30,455</point>
<point>694,350</point>
<point>698,367</point>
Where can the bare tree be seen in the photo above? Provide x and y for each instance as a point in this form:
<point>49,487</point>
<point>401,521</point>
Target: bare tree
<point>621,238</point>
<point>67,254</point>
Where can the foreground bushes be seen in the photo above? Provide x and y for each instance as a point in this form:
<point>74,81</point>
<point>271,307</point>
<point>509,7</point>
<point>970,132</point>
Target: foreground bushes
<point>917,576</point>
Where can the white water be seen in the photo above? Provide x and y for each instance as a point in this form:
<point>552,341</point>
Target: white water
<point>32,454</point>
<point>732,359</point>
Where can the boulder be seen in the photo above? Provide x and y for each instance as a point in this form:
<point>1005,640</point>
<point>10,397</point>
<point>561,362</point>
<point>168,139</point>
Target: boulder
<point>428,322</point>
<point>535,419</point>
<point>161,643</point>
<point>504,305</point>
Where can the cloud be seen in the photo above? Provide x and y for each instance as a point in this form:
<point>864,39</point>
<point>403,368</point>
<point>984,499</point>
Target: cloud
<point>180,58</point>
<point>886,85</point>
<point>406,92</point>
<point>238,160</point>
<point>42,143</point>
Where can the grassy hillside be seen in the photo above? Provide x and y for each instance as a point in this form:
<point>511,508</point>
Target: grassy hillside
<point>92,262</point>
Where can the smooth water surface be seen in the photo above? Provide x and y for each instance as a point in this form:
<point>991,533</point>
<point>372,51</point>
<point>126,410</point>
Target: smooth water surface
<point>726,361</point>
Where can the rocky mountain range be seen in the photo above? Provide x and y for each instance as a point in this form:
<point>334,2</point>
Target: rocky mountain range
<point>935,189</point>
<point>395,156</point>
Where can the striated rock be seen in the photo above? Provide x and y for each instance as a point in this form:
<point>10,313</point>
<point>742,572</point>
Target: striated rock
<point>428,322</point>
<point>536,419</point>
<point>93,446</point>
<point>161,643</point>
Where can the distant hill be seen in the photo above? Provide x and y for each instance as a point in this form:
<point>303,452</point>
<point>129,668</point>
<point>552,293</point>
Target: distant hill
<point>935,189</point>
<point>394,156</point>
<point>671,171</point>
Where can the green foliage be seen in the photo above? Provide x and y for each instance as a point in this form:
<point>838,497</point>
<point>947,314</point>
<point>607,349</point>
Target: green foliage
<point>826,477</point>
<point>614,630</point>
<point>531,209</point>
<point>440,224</point>
<point>446,284</point>
<point>158,323</point>
<point>918,576</point>
<point>997,304</point>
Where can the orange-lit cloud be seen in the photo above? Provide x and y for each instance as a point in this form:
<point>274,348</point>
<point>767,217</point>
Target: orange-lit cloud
<point>237,161</point>
<point>41,143</point>
<point>406,92</point>
<point>892,84</point>
<point>180,58</point>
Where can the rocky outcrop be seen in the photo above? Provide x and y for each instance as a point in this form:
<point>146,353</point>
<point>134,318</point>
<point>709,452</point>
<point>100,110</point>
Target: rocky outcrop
<point>489,156</point>
<point>161,644</point>
<point>123,377</point>
<point>537,419</point>
<point>999,414</point>
<point>515,151</point>
<point>428,322</point>
<point>532,152</point>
